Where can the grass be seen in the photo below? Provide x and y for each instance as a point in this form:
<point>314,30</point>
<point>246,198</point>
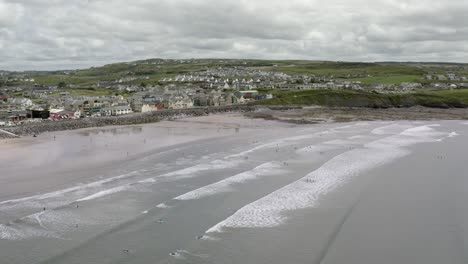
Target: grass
<point>91,92</point>
<point>347,98</point>
<point>344,68</point>
<point>388,79</point>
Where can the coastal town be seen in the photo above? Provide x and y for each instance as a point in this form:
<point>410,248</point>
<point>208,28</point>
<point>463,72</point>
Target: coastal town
<point>23,99</point>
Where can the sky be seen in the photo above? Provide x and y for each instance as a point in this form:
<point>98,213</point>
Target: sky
<point>69,34</point>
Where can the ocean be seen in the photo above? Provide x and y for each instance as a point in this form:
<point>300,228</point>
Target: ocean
<point>224,189</point>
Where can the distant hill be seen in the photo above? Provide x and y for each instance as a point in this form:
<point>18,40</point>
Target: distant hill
<point>155,69</point>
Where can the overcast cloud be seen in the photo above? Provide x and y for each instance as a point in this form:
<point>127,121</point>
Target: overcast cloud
<point>57,34</point>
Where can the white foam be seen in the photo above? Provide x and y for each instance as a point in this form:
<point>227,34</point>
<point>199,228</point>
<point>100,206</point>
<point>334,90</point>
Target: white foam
<point>12,232</point>
<point>149,180</point>
<point>421,131</point>
<point>230,161</point>
<point>464,123</point>
<point>315,149</point>
<point>191,171</point>
<point>145,212</point>
<point>453,134</point>
<point>344,127</point>
<point>284,141</point>
<point>209,238</point>
<point>390,129</point>
<point>104,193</point>
<point>266,169</point>
<point>179,254</point>
<point>362,124</point>
<point>29,227</point>
<point>243,153</point>
<point>183,254</point>
<point>353,140</point>
<point>269,210</point>
<point>340,142</point>
<point>356,137</point>
<point>37,218</point>
<point>63,192</point>
<point>163,206</point>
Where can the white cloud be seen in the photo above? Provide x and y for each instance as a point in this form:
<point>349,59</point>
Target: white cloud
<point>76,33</point>
<point>10,13</point>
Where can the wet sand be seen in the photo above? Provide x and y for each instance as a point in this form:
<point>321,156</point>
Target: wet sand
<point>228,189</point>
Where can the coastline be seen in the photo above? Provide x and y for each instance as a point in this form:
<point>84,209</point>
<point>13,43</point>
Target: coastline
<point>315,115</point>
<point>288,114</point>
<point>132,119</point>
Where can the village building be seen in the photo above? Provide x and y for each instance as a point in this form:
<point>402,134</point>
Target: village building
<point>116,110</point>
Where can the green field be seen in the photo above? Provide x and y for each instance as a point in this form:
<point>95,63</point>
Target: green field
<point>389,79</point>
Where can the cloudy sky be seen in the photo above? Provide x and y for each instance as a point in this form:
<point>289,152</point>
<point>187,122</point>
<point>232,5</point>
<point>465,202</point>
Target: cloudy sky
<point>58,34</point>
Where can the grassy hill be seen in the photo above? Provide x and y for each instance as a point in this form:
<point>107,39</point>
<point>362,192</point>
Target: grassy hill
<point>155,69</point>
<point>347,98</point>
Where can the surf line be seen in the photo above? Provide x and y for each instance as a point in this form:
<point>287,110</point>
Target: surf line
<point>306,192</point>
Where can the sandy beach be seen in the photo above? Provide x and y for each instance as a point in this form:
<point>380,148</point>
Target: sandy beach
<point>196,190</point>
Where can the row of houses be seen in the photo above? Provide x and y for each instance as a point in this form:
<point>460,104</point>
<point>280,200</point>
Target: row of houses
<point>448,76</point>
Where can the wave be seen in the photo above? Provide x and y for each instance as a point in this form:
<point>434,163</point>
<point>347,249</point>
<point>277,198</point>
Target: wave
<point>306,192</point>
<point>266,169</point>
<point>31,201</point>
<point>104,193</point>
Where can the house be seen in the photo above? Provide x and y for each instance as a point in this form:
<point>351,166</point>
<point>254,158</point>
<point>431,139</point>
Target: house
<point>61,114</point>
<point>18,115</point>
<point>264,96</point>
<point>180,102</point>
<point>439,86</point>
<point>151,108</point>
<point>44,89</point>
<point>23,102</point>
<point>230,99</point>
<point>451,76</point>
<point>248,95</point>
<point>117,110</point>
<point>304,87</point>
<point>408,85</point>
<point>200,100</point>
<point>3,97</point>
<point>286,86</point>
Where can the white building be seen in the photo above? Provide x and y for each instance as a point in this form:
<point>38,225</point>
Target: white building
<point>180,103</point>
<point>117,110</point>
<point>149,108</point>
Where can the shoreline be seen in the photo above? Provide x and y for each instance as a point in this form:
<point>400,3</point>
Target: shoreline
<point>132,119</point>
<point>220,121</point>
<point>288,114</point>
<point>317,115</point>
